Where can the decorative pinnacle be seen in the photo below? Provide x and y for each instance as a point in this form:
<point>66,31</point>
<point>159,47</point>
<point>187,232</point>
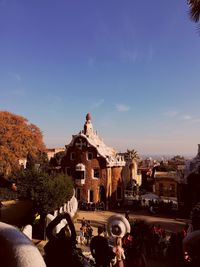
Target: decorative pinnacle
<point>88,117</point>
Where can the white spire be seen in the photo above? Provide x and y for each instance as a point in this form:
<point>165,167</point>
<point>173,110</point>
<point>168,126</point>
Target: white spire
<point>88,128</point>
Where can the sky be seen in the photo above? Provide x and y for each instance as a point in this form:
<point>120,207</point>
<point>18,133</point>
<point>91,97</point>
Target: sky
<point>134,65</point>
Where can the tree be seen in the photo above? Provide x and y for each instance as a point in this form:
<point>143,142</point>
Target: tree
<point>47,191</point>
<point>39,161</point>
<point>131,155</point>
<point>194,10</point>
<point>194,6</point>
<point>7,183</point>
<point>163,167</point>
<point>55,161</point>
<point>30,163</point>
<point>17,139</point>
<point>178,158</point>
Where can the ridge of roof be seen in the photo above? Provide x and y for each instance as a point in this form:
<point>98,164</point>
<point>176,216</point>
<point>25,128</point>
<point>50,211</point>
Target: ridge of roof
<point>109,153</point>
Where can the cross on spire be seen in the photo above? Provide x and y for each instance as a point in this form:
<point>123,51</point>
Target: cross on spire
<point>81,143</point>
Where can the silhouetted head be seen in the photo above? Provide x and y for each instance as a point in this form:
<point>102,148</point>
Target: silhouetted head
<point>100,230</point>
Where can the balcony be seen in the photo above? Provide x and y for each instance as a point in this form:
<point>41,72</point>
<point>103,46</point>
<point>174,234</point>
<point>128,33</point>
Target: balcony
<point>79,181</point>
<point>80,174</point>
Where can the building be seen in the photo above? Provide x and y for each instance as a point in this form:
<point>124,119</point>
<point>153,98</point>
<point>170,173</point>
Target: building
<point>22,162</point>
<point>191,194</point>
<point>132,180</point>
<point>166,185</point>
<point>193,165</point>
<point>95,168</point>
<point>52,151</point>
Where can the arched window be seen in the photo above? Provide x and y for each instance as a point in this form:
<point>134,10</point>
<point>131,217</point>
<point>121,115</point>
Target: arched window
<point>96,173</point>
<point>90,156</point>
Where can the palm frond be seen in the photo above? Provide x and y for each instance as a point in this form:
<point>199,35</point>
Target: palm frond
<point>194,12</point>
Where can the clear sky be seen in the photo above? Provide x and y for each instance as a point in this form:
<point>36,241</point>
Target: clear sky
<point>134,65</point>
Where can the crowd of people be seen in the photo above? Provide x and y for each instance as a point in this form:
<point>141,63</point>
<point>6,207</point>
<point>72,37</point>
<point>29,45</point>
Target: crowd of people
<point>144,242</point>
<point>122,253</point>
<point>153,205</point>
<point>134,249</point>
<point>86,232</point>
<point>160,206</point>
<point>100,205</point>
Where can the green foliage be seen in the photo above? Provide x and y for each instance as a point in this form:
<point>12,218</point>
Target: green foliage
<point>132,155</point>
<point>56,160</point>
<point>178,158</point>
<point>194,9</point>
<point>53,162</point>
<point>38,161</point>
<point>163,167</point>
<point>30,164</point>
<point>47,191</point>
<point>6,189</point>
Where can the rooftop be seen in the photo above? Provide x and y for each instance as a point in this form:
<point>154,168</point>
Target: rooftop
<point>110,154</point>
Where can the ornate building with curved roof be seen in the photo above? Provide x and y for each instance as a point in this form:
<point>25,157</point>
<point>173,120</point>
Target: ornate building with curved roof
<point>95,168</point>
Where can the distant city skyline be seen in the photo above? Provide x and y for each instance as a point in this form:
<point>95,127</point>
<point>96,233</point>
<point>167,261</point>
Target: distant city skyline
<point>133,65</point>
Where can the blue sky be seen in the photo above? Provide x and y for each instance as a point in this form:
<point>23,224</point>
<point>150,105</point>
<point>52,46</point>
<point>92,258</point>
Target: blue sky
<point>134,65</point>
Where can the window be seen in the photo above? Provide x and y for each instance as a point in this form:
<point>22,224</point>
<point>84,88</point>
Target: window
<point>80,175</point>
<point>90,155</point>
<point>72,156</point>
<point>80,171</point>
<point>90,196</point>
<point>96,173</point>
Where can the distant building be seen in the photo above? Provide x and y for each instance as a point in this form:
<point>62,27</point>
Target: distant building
<point>22,162</point>
<point>166,185</point>
<point>193,166</point>
<point>146,177</point>
<point>52,151</point>
<point>94,167</point>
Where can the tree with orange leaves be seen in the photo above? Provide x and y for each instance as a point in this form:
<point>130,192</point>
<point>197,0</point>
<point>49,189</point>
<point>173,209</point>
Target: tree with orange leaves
<point>17,139</point>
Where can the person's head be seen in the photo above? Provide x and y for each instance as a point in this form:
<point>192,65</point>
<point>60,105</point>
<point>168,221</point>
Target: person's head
<point>100,230</point>
<point>118,241</point>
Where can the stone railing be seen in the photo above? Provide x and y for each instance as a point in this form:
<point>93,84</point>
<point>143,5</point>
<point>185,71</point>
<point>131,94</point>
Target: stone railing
<point>71,207</point>
<point>17,250</point>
